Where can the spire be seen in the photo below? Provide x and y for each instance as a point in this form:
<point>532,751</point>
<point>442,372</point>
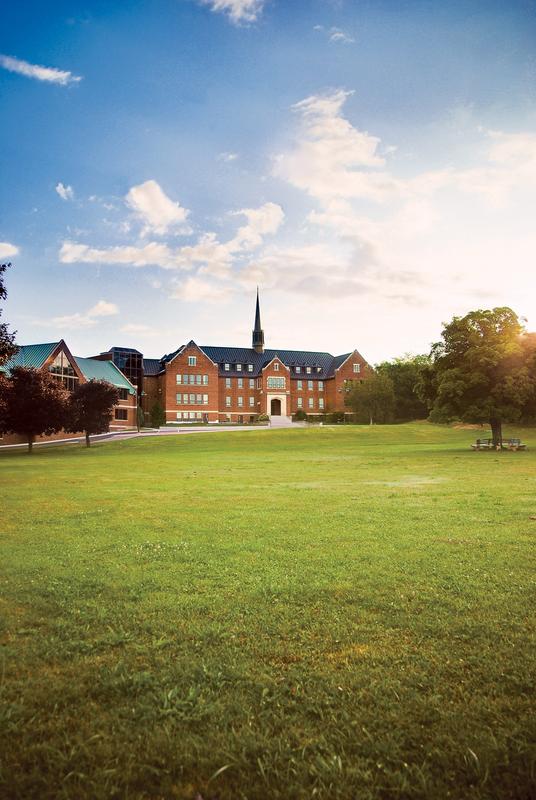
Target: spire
<point>258,333</point>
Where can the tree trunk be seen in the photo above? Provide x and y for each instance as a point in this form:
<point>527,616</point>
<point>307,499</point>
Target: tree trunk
<point>87,439</point>
<point>371,420</point>
<point>30,443</point>
<point>496,433</point>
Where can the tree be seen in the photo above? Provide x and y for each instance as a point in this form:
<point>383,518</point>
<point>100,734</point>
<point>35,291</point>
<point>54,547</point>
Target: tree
<point>158,415</point>
<point>483,370</point>
<point>91,408</point>
<point>8,348</point>
<point>5,388</point>
<point>404,373</point>
<point>37,404</point>
<point>140,417</point>
<point>372,399</point>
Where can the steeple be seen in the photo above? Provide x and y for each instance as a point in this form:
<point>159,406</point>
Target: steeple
<point>258,333</point>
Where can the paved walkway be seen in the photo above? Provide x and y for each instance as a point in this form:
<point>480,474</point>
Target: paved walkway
<point>170,431</point>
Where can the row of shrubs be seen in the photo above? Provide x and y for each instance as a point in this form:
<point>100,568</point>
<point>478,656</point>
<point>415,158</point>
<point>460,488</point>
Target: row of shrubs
<point>328,418</point>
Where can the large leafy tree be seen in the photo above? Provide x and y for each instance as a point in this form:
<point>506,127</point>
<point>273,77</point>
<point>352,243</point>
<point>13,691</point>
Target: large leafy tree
<point>91,408</point>
<point>404,373</point>
<point>483,370</point>
<point>373,399</point>
<point>7,340</point>
<point>37,404</point>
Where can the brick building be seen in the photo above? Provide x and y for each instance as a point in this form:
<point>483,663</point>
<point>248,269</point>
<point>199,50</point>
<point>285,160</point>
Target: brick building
<point>57,359</point>
<point>237,384</point>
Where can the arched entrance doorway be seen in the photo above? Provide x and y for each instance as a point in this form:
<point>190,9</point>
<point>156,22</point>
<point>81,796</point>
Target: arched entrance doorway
<point>275,407</point>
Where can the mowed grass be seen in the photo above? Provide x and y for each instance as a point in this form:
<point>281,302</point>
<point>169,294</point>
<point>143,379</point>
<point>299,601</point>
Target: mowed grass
<point>327,613</point>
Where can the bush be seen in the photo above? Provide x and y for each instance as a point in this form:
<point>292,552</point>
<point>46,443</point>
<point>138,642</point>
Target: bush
<point>158,415</point>
<point>300,415</point>
<point>263,418</point>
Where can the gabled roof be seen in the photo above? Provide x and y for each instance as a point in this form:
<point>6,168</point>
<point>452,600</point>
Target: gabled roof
<point>30,355</point>
<point>104,371</point>
<point>152,366</point>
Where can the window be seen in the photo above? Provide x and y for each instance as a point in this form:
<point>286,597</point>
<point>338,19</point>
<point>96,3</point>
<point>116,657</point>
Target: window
<point>192,361</point>
<point>192,399</point>
<point>320,386</point>
<point>61,370</point>
<point>251,401</point>
<point>250,367</point>
<point>356,367</point>
<point>300,385</point>
<point>311,402</point>
<point>121,413</point>
<point>227,383</point>
<point>227,401</point>
<point>308,370</point>
<point>205,399</point>
<point>240,402</point>
<point>179,414</point>
<point>239,367</point>
<point>192,380</point>
<point>276,383</point>
<point>179,399</point>
<point>123,394</point>
<point>252,383</point>
<point>298,369</point>
<point>300,402</point>
<point>259,383</point>
<point>321,403</point>
<point>310,385</point>
<point>199,399</point>
<point>276,367</point>
<point>226,367</point>
<point>319,369</point>
<point>240,383</point>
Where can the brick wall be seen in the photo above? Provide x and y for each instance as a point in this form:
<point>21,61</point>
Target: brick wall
<point>170,388</point>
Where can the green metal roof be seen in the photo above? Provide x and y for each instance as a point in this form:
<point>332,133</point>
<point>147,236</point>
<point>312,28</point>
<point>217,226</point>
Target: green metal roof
<point>104,371</point>
<point>30,355</point>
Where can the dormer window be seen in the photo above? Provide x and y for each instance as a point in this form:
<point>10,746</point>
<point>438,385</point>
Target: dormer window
<point>226,367</point>
<point>319,369</point>
<point>308,370</point>
<point>239,367</point>
<point>298,369</point>
<point>276,367</point>
<point>250,367</point>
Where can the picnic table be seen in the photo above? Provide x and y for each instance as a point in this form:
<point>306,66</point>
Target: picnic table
<point>507,444</point>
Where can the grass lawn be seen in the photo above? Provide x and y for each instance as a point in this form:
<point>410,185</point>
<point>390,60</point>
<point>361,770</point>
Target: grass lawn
<point>327,613</point>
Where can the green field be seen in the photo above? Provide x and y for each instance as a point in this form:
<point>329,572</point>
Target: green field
<point>327,613</point>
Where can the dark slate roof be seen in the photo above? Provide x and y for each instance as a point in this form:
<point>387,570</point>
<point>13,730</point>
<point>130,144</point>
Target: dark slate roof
<point>30,355</point>
<point>323,364</point>
<point>104,371</point>
<point>291,358</point>
<point>122,349</point>
<point>152,366</point>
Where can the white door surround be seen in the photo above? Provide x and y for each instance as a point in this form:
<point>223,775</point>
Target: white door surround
<point>282,398</point>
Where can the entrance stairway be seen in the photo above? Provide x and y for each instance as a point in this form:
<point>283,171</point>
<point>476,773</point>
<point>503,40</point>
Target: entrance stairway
<point>281,422</point>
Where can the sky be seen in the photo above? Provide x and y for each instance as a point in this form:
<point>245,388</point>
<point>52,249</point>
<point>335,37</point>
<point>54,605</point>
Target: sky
<point>369,165</point>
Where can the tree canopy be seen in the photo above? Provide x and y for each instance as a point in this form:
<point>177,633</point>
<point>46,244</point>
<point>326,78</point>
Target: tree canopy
<point>404,372</point>
<point>91,408</point>
<point>36,404</point>
<point>7,340</point>
<point>483,370</point>
<point>373,398</point>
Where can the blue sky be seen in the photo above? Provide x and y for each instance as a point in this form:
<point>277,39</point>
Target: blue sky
<point>371,166</point>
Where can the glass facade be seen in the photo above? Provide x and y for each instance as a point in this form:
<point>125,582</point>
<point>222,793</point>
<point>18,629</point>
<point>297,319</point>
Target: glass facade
<point>62,370</point>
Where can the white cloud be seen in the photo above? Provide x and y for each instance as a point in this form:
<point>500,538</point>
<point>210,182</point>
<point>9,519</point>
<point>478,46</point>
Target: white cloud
<point>227,157</point>
<point>49,74</point>
<point>337,35</point>
<point>65,192</point>
<point>88,319</point>
<point>103,309</point>
<point>159,214</point>
<point>198,290</point>
<point>7,250</point>
<point>238,11</point>
<point>331,158</point>
<point>208,253</point>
